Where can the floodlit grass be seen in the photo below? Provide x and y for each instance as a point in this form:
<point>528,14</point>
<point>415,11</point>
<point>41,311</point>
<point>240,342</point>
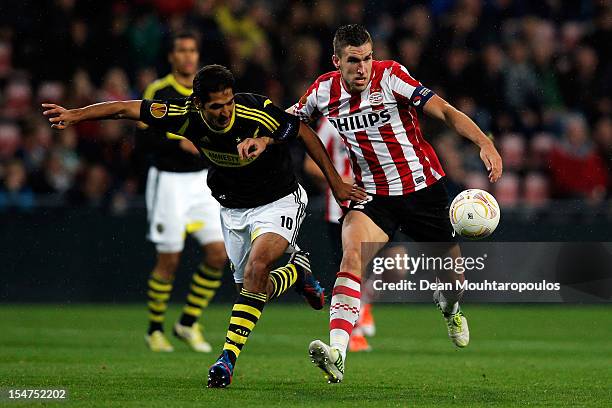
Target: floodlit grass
<point>539,355</point>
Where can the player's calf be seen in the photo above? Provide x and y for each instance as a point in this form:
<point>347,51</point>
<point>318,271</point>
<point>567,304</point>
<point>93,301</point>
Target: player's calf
<point>344,310</point>
<point>204,285</point>
<point>245,314</point>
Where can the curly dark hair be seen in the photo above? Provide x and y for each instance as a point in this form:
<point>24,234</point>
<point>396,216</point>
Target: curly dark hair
<point>212,78</point>
<point>350,34</point>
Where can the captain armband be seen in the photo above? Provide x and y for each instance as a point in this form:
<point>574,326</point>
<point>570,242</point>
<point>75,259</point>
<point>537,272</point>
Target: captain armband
<point>420,96</point>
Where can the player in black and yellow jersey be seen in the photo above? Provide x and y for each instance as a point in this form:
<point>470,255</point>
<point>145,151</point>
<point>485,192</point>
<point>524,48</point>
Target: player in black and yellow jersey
<point>179,202</point>
<point>262,206</point>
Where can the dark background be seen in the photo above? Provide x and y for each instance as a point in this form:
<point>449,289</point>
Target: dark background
<point>536,75</point>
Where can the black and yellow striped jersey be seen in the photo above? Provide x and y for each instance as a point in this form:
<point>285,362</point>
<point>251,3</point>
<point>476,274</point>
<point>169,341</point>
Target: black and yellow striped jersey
<point>235,183</point>
<point>163,148</point>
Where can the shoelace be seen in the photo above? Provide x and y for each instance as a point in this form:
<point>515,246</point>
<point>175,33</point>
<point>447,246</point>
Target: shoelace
<point>455,323</point>
<point>339,363</point>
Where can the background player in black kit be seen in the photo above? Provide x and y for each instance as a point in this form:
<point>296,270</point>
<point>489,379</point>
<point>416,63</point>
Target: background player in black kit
<point>179,202</point>
<point>251,176</point>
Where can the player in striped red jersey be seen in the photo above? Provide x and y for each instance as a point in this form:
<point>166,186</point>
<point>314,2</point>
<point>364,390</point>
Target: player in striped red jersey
<point>333,213</point>
<point>373,105</point>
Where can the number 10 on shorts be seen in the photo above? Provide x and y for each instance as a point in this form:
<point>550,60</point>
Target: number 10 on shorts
<point>286,222</point>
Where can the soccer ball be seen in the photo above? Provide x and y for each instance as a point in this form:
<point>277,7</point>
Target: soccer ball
<point>474,214</point>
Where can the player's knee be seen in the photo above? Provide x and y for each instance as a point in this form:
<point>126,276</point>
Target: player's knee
<point>167,264</point>
<point>256,275</point>
<point>351,261</point>
<point>257,267</point>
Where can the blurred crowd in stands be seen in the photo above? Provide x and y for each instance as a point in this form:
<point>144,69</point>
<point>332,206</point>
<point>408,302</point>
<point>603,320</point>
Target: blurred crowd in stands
<point>536,75</point>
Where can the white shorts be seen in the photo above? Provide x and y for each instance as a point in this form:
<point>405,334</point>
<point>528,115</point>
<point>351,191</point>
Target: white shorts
<point>178,204</point>
<point>242,225</point>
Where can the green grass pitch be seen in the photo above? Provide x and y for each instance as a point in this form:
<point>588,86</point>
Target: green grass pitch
<point>541,355</point>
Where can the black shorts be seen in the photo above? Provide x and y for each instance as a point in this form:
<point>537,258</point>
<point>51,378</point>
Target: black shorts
<point>422,215</point>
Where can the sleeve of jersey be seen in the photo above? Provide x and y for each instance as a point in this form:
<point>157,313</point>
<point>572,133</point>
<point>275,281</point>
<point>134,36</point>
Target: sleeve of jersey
<point>283,126</point>
<point>170,115</point>
<point>408,90</point>
<point>306,107</point>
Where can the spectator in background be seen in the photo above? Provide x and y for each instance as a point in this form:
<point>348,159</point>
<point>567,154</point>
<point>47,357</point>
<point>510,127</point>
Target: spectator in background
<point>56,176</point>
<point>548,57</point>
<point>325,15</point>
<point>409,51</point>
<point>491,79</point>
<point>144,77</point>
<point>53,177</point>
<point>512,149</point>
<point>577,170</point>
<point>455,74</point>
<point>92,189</point>
<point>82,52</point>
<point>507,190</point>
<point>536,191</point>
<point>115,86</point>
<point>10,140</point>
<point>603,138</point>
<point>82,92</point>
<point>17,98</point>
<point>305,61</point>
<point>6,52</point>
<point>15,195</point>
<point>145,37</point>
<point>582,86</point>
<point>542,48</point>
<point>65,147</point>
<point>540,147</point>
<point>601,36</point>
<point>36,140</point>
<point>202,19</point>
<point>521,87</point>
<point>235,22</point>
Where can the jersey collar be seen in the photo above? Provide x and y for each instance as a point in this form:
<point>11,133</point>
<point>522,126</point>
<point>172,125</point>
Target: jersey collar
<point>178,87</point>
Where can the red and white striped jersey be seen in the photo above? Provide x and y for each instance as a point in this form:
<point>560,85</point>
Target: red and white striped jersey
<point>379,127</point>
<point>339,157</point>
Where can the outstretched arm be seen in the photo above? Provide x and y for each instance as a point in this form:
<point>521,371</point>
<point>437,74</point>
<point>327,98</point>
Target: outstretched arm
<point>341,190</point>
<point>61,118</point>
<point>438,108</point>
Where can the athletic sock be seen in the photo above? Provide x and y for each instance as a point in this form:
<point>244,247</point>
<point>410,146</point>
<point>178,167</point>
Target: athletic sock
<point>448,307</point>
<point>245,314</point>
<point>158,296</point>
<point>449,299</point>
<point>204,285</point>
<point>282,279</point>
<point>344,310</point>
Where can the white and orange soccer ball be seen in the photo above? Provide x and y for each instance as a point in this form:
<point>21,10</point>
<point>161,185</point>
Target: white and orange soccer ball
<point>474,214</point>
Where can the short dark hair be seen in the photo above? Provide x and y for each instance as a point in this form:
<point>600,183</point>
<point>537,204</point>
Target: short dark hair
<point>182,35</point>
<point>350,34</point>
<point>212,78</point>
